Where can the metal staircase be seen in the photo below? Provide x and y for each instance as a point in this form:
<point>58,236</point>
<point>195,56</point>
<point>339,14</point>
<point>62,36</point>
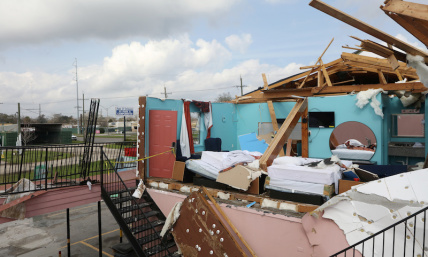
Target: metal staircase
<point>140,219</point>
<point>407,237</point>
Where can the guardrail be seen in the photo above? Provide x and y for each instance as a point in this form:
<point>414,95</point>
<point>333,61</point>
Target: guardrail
<point>32,168</point>
<point>406,237</point>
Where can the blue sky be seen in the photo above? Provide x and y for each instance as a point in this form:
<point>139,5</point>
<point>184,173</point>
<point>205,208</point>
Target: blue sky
<point>196,49</point>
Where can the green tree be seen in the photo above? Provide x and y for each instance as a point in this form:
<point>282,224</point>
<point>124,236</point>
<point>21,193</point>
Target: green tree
<point>223,97</point>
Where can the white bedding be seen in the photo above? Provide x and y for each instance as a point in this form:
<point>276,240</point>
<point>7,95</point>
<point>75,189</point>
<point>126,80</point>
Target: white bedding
<point>287,168</point>
<point>353,154</point>
<point>224,160</point>
<point>202,168</point>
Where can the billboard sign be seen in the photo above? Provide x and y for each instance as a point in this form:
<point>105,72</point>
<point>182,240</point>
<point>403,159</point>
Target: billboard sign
<point>124,111</point>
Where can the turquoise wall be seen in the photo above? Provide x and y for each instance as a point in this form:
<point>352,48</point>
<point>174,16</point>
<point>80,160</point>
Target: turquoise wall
<point>232,120</point>
<point>250,115</point>
<point>345,110</point>
<point>224,120</point>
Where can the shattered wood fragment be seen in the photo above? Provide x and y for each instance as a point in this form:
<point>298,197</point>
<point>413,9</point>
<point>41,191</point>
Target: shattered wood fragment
<point>274,122</point>
<point>367,28</point>
<point>201,231</point>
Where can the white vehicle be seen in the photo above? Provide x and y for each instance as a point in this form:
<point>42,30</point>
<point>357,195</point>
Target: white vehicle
<point>73,137</point>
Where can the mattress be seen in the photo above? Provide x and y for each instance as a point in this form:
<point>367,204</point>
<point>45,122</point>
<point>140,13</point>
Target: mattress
<point>202,168</point>
<point>326,176</point>
<point>224,160</point>
<point>353,154</point>
<point>286,185</point>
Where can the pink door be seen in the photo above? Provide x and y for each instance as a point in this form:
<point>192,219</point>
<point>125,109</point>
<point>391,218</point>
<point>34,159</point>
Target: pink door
<point>163,132</point>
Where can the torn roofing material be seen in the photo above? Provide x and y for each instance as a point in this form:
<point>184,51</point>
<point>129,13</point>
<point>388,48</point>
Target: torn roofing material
<point>368,208</point>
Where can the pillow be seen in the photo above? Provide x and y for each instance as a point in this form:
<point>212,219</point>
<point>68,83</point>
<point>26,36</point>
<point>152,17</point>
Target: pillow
<point>288,160</point>
<point>354,142</point>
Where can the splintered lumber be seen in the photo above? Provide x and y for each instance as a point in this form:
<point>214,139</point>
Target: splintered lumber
<point>367,28</point>
<point>412,10</point>
<point>283,133</point>
<point>417,28</point>
<point>415,87</point>
<point>200,231</point>
<point>235,230</point>
<point>274,122</point>
<point>318,61</point>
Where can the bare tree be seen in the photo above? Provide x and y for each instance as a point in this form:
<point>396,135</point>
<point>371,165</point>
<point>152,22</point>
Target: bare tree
<point>28,134</point>
<point>223,97</point>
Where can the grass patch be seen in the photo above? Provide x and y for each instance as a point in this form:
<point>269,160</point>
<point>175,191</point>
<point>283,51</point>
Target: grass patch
<point>34,156</point>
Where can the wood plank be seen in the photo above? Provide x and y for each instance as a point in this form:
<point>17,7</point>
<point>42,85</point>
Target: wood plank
<point>318,61</point>
<point>274,122</point>
<point>235,230</point>
<point>320,79</point>
<point>141,165</point>
<point>382,79</point>
<point>284,132</point>
<point>412,10</point>
<point>325,73</point>
<point>265,83</point>
<point>196,226</point>
<point>367,28</point>
<point>416,87</point>
<point>289,146</point>
<point>414,27</point>
<point>305,134</point>
<point>393,61</point>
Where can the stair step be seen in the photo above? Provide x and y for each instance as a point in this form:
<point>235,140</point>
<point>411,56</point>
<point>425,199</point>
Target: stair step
<point>148,239</point>
<point>140,217</point>
<point>134,207</point>
<point>147,226</point>
<point>130,189</point>
<point>122,199</point>
<point>159,248</point>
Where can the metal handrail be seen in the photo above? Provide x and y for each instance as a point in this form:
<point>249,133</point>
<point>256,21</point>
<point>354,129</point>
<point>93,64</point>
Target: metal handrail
<point>393,226</point>
<point>134,201</point>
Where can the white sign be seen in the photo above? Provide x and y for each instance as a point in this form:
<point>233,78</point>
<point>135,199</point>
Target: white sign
<point>124,111</point>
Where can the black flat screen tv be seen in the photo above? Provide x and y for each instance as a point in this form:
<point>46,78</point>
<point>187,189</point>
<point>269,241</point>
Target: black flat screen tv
<point>321,120</point>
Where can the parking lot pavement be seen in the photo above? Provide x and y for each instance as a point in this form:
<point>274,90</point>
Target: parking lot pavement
<point>46,235</point>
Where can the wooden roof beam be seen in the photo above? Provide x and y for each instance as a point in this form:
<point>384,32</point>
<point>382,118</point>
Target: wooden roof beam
<point>412,10</point>
<point>414,27</point>
<point>367,28</point>
<point>283,133</point>
<point>416,87</point>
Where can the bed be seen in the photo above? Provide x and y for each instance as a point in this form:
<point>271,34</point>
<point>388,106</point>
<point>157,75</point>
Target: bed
<point>352,154</point>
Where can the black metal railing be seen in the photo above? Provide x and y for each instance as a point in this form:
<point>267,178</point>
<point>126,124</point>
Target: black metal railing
<point>56,166</point>
<point>406,237</point>
<point>138,218</point>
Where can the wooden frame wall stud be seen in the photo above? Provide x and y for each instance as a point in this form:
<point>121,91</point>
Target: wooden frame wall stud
<point>283,133</point>
<point>274,122</point>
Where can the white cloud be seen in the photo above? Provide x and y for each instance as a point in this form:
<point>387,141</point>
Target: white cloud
<point>405,39</point>
<point>187,69</point>
<point>239,43</point>
<point>32,21</point>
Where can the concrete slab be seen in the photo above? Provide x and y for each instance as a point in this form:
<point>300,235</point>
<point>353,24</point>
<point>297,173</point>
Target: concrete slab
<point>46,235</point>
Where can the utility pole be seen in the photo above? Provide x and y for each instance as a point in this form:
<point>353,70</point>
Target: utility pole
<point>19,118</point>
<point>40,110</point>
<point>165,93</point>
<point>77,96</point>
<point>241,86</point>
